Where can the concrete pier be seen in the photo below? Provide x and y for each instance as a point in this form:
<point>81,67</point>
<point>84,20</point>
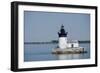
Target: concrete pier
<point>69,50</point>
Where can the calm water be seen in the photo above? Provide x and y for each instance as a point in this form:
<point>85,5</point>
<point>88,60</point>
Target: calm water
<point>43,52</point>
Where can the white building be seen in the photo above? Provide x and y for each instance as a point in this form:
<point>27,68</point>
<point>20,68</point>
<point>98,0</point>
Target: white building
<point>63,41</point>
<point>66,46</point>
<point>72,43</point>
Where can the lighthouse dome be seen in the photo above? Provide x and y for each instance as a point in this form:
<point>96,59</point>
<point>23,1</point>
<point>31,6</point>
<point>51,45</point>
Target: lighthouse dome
<point>62,32</point>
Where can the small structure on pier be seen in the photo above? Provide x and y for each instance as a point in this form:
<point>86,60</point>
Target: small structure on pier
<point>66,46</point>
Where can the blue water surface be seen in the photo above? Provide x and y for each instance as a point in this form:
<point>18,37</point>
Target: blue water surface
<point>43,52</point>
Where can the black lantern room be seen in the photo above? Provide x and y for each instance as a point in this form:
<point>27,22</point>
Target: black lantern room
<point>62,32</point>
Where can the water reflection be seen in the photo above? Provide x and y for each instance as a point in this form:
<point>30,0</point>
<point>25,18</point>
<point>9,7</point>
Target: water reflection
<point>67,56</point>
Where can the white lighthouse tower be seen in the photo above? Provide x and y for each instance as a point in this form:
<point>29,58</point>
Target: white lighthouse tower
<point>62,38</point>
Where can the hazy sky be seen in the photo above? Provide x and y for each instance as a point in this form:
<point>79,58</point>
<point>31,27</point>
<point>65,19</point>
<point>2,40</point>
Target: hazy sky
<point>44,26</point>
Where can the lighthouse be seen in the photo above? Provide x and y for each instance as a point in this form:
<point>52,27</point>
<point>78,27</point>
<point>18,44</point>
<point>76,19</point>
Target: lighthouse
<point>62,34</point>
<point>65,46</point>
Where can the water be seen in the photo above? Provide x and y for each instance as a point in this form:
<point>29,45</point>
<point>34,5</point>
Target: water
<point>43,52</point>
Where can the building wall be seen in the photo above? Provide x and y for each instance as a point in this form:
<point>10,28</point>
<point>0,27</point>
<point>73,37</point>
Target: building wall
<point>74,44</point>
<point>62,42</point>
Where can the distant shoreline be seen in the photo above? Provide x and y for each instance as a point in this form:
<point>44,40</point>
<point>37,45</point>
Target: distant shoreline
<point>84,41</point>
<point>52,42</point>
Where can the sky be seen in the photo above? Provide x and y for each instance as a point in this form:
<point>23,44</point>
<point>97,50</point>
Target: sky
<point>44,26</point>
